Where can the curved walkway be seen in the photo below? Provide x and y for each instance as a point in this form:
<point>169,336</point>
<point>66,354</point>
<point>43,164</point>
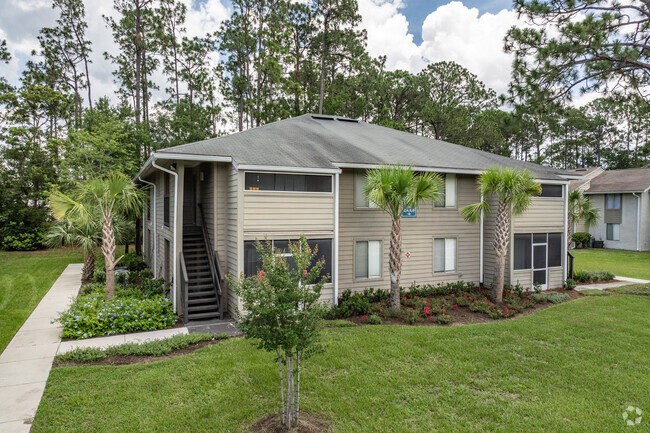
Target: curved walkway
<point>618,282</point>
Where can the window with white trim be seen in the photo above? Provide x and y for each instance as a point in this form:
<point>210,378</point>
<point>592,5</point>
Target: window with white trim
<point>613,201</point>
<point>444,255</point>
<point>360,199</point>
<point>613,232</point>
<point>367,259</point>
<point>448,197</point>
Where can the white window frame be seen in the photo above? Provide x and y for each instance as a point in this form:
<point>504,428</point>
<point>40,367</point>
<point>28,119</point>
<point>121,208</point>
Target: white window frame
<point>616,234</point>
<point>381,259</point>
<point>358,174</point>
<point>446,271</point>
<point>620,201</point>
<point>451,184</point>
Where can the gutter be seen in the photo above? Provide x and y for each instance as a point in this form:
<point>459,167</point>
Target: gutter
<point>638,219</point>
<point>565,246</point>
<point>155,236</point>
<point>174,279</point>
<point>336,239</point>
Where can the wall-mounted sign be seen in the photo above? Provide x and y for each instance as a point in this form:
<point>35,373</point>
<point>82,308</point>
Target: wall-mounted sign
<point>408,254</point>
<point>410,212</point>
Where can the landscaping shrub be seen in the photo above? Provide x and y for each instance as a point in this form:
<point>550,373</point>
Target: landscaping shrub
<point>517,290</point>
<point>350,304</point>
<point>552,297</point>
<point>374,320</point>
<point>570,284</point>
<point>582,239</point>
<point>592,276</point>
<point>150,348</point>
<point>132,262</point>
<point>90,315</point>
<point>428,290</point>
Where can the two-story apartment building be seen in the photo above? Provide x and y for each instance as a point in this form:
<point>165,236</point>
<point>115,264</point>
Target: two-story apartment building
<point>623,200</point>
<point>211,200</point>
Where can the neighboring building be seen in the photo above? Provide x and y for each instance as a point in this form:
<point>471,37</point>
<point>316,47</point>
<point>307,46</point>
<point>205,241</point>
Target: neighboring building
<point>624,203</point>
<point>305,175</point>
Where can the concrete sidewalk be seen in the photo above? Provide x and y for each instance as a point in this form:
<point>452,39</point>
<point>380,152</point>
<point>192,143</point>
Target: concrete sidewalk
<point>26,362</point>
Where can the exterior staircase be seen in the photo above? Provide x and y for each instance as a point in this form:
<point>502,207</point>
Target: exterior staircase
<point>202,285</point>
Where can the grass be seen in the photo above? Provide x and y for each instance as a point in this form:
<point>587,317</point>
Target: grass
<point>24,278</point>
<point>631,264</point>
<point>632,289</point>
<point>571,367</point>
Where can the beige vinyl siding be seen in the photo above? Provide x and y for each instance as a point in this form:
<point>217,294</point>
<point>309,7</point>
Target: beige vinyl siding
<point>222,209</point>
<point>417,238</point>
<point>234,229</point>
<point>288,212</point>
<point>545,215</point>
<point>524,277</point>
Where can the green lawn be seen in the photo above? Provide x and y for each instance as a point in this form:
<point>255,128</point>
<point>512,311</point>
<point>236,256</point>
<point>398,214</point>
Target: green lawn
<point>632,264</point>
<point>24,278</point>
<point>572,367</point>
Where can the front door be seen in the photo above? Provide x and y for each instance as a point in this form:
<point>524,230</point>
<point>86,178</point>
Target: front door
<point>540,260</point>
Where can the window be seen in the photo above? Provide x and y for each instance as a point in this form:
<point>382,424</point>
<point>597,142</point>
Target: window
<point>288,182</point>
<point>448,198</point>
<point>613,201</point>
<point>444,255</point>
<point>253,261</point>
<point>554,249</point>
<point>551,190</point>
<point>367,259</point>
<point>523,251</point>
<point>166,200</point>
<point>360,200</point>
<point>613,232</point>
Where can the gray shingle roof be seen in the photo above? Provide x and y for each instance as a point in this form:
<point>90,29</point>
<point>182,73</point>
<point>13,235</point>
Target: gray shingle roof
<point>323,141</point>
<point>627,180</point>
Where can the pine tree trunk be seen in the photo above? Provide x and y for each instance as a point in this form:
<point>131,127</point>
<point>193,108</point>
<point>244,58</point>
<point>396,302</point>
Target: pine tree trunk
<point>501,243</point>
<point>395,264</point>
<point>321,96</point>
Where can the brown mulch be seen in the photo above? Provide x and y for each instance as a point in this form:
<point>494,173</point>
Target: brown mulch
<point>463,316</point>
<point>309,423</point>
<point>137,359</point>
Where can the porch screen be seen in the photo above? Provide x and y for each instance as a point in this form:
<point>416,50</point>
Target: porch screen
<point>253,262</point>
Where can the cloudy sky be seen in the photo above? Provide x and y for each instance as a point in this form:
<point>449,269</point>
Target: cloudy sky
<point>411,33</point>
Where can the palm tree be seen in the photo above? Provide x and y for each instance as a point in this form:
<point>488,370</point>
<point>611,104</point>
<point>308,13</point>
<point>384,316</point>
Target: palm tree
<point>514,190</point>
<point>581,209</point>
<point>86,235</point>
<point>101,200</point>
<point>395,188</point>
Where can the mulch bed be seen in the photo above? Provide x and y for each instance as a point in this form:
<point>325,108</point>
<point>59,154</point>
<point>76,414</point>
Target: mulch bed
<point>137,359</point>
<point>309,423</point>
<point>463,316</point>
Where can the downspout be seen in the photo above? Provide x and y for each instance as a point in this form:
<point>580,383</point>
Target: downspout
<point>336,239</point>
<point>173,173</point>
<point>480,277</point>
<point>565,247</point>
<point>638,219</point>
<point>155,236</point>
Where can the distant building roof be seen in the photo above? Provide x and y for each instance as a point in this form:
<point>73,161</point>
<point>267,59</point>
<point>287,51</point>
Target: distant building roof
<point>587,173</point>
<point>315,141</point>
<point>627,180</point>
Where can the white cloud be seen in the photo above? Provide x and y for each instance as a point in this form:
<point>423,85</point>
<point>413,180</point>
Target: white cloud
<point>451,32</point>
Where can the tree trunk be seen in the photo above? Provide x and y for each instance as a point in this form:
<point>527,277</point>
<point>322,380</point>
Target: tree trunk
<point>88,271</point>
<point>500,244</point>
<point>108,250</point>
<point>395,263</point>
<point>321,96</point>
<point>569,232</point>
